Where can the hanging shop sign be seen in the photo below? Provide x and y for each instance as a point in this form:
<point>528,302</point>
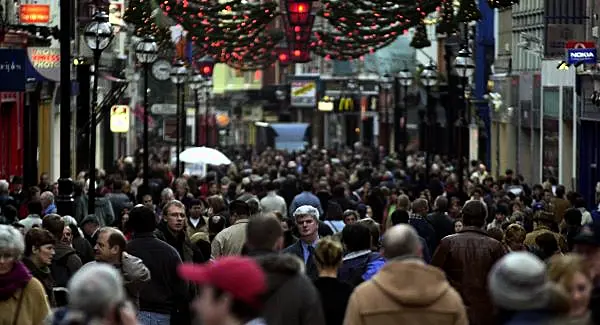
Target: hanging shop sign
<point>34,14</point>
<point>304,93</point>
<point>581,56</point>
<point>12,69</point>
<point>119,119</point>
<point>46,61</point>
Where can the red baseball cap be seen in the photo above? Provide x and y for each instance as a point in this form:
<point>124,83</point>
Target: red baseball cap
<point>241,277</point>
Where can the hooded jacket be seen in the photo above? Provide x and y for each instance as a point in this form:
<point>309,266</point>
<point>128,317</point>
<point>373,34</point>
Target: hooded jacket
<point>291,299</point>
<point>406,292</point>
<point>64,264</point>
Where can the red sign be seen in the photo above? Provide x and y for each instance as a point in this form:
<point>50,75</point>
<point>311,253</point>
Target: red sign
<point>34,14</point>
<point>580,45</point>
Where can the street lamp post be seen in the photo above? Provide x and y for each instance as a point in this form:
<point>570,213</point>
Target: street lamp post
<point>405,78</point>
<point>388,83</point>
<point>98,35</point>
<point>178,77</point>
<point>206,66</point>
<point>146,52</point>
<point>464,67</point>
<point>195,85</point>
<point>207,85</point>
<point>428,79</point>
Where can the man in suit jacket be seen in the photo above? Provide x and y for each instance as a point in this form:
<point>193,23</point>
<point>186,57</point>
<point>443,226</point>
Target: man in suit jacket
<point>307,221</point>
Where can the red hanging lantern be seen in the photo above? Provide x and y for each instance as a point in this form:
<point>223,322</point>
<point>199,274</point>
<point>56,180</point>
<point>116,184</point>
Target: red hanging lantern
<point>283,56</point>
<point>299,52</point>
<point>206,66</point>
<point>298,12</point>
<point>300,34</point>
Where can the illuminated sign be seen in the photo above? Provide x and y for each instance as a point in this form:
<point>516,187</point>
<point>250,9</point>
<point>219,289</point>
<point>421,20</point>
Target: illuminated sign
<point>46,61</point>
<point>34,14</point>
<point>119,118</point>
<point>581,56</point>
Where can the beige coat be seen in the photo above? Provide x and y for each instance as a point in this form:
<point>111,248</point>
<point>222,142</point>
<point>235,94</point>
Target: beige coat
<point>34,307</point>
<point>231,240</point>
<point>406,292</point>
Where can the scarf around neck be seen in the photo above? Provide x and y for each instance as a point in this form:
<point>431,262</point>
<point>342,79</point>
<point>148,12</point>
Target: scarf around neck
<point>14,280</point>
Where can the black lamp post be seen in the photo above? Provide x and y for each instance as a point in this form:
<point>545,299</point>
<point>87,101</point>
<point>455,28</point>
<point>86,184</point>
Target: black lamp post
<point>206,67</point>
<point>387,83</point>
<point>429,79</point>
<point>464,67</point>
<point>178,77</point>
<point>195,85</point>
<point>405,78</point>
<point>146,52</point>
<point>98,35</point>
<point>64,201</point>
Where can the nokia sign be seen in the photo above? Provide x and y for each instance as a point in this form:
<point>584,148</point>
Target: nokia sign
<point>581,56</point>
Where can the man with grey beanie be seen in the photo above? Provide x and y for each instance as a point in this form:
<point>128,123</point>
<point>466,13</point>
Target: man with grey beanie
<point>520,289</point>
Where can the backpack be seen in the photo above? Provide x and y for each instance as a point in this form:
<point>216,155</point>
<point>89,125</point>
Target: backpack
<point>59,270</point>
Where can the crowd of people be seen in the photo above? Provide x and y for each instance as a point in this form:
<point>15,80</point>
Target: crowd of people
<point>312,238</point>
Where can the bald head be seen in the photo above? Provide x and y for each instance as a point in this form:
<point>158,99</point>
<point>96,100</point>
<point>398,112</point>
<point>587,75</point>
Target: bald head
<point>401,240</point>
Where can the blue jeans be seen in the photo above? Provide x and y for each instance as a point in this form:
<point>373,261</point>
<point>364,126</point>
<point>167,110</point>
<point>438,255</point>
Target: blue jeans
<point>149,318</point>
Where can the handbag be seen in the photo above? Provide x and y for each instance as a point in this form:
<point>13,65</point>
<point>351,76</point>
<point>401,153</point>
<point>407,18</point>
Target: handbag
<point>19,304</point>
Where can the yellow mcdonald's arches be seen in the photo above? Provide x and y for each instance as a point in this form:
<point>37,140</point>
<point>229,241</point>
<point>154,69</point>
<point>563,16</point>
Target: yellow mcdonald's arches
<point>346,104</point>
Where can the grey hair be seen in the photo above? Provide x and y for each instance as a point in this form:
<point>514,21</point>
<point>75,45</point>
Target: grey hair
<point>401,240</point>
<point>306,210</point>
<point>11,240</point>
<point>69,220</point>
<point>95,289</point>
<point>47,196</point>
<point>3,186</point>
<point>166,192</point>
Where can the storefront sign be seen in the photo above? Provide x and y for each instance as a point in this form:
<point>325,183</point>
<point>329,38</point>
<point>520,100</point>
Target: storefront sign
<point>119,119</point>
<point>580,45</point>
<point>34,13</point>
<point>12,70</point>
<point>304,93</point>
<point>46,61</point>
<point>581,56</point>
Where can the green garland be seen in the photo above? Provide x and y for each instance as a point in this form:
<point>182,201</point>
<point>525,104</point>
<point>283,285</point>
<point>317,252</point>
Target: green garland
<point>139,13</point>
<point>447,24</point>
<point>468,12</point>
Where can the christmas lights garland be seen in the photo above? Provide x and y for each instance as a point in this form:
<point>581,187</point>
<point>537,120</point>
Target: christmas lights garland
<point>142,15</point>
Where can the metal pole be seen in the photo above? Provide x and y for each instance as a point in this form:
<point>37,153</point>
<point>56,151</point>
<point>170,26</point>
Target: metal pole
<point>64,200</point>
<point>178,132</point>
<point>92,188</point>
<point>197,117</point>
<point>396,123</point>
<point>461,164</point>
<point>206,128</point>
<point>404,127</point>
<point>182,127</point>
<point>427,134</point>
<point>146,115</point>
<point>498,149</point>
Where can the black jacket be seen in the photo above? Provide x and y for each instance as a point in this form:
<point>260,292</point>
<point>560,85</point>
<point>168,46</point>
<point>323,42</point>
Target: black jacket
<point>165,292</point>
<point>292,299</point>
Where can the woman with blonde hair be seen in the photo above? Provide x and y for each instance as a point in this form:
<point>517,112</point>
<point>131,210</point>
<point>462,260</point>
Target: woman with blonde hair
<point>570,272</point>
<point>334,293</point>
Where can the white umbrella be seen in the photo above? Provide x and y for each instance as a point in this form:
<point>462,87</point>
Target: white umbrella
<point>204,155</point>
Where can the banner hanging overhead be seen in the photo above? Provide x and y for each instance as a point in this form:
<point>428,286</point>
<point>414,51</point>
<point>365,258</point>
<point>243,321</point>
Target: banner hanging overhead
<point>12,69</point>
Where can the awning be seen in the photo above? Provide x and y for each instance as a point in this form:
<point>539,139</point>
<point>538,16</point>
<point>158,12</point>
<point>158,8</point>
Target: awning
<point>290,136</point>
